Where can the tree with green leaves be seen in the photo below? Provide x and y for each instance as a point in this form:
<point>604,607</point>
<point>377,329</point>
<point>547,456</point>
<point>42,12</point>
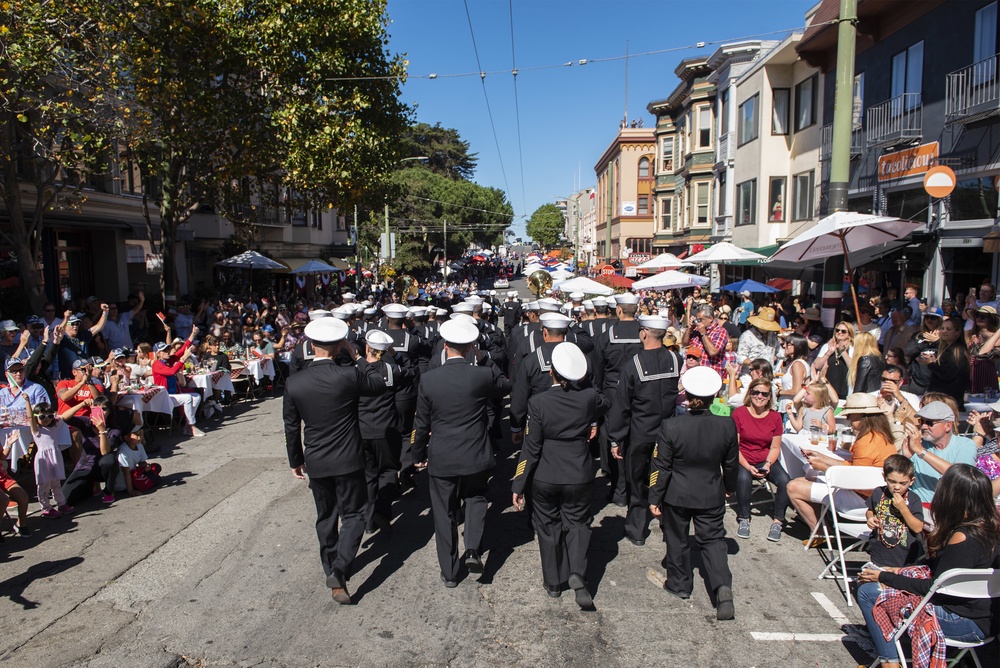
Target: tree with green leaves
<point>57,65</point>
<point>446,152</point>
<point>546,225</point>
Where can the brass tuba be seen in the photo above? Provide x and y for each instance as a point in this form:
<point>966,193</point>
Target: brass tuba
<point>405,286</point>
<point>539,281</point>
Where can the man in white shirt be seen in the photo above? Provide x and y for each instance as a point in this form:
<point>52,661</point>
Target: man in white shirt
<point>116,329</point>
<point>987,297</point>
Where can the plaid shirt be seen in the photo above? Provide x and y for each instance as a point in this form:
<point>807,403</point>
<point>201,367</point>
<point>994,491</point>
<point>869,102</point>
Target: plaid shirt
<point>893,606</point>
<point>719,338</point>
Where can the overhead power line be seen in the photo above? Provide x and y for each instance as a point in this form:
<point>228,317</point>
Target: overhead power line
<point>517,106</point>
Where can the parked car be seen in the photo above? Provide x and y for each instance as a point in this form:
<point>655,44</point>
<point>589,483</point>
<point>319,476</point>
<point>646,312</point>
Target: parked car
<point>501,283</point>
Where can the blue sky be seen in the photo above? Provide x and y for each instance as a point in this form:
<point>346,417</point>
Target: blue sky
<point>568,115</point>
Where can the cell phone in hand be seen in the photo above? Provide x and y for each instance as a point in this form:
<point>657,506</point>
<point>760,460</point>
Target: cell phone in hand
<point>97,415</point>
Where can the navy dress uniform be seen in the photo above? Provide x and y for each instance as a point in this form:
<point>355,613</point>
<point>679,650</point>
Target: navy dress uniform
<point>322,437</point>
<point>533,372</point>
<point>304,353</point>
<point>695,463</point>
<point>556,460</point>
<point>646,396</point>
<point>617,345</point>
<point>381,433</point>
<point>450,434</point>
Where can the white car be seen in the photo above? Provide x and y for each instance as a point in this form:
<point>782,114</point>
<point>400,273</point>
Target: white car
<point>501,283</point>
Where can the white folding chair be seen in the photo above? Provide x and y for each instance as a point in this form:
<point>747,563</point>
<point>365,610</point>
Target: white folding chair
<point>845,523</point>
<point>961,583</point>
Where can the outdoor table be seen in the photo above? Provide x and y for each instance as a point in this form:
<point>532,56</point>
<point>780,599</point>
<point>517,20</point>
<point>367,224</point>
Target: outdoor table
<point>19,447</point>
<point>795,463</point>
<point>214,380</point>
<point>258,368</point>
<point>153,399</point>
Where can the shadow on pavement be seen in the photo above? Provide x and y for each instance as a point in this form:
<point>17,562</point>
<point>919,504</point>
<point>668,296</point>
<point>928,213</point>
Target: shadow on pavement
<point>13,588</point>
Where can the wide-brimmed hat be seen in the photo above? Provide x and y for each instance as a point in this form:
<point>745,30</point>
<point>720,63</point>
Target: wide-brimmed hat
<point>765,320</point>
<point>861,403</point>
<point>811,314</point>
<point>988,311</point>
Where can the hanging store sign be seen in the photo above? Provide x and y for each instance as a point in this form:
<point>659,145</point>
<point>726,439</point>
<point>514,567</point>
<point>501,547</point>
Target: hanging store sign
<point>910,162</point>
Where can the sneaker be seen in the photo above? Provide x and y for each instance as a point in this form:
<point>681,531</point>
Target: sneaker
<point>51,513</point>
<point>108,498</point>
<point>744,530</point>
<point>774,533</point>
<point>197,433</point>
<point>21,531</point>
<point>66,509</point>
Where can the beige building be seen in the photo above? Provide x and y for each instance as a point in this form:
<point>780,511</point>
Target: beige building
<point>625,196</point>
<point>575,209</point>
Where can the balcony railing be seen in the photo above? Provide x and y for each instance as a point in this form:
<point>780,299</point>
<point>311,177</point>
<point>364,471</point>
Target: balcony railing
<point>826,142</point>
<point>973,92</point>
<point>898,120</point>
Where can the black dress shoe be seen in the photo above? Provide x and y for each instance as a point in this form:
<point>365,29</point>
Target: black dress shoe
<point>450,584</point>
<point>579,587</point>
<point>336,580</point>
<point>473,562</point>
<point>555,591</point>
<point>679,594</point>
<point>637,543</point>
<point>725,609</point>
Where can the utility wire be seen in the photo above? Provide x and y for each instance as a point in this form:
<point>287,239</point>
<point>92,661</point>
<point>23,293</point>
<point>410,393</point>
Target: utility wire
<point>517,106</point>
<point>482,80</point>
<point>462,206</point>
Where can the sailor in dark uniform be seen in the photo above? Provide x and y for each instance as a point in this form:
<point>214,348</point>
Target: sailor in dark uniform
<point>450,438</point>
<point>324,398</point>
<point>510,311</point>
<point>380,432</point>
<point>694,464</point>
<point>611,351</point>
<point>646,396</point>
<point>409,349</point>
<point>557,461</point>
<point>533,375</point>
<point>304,353</point>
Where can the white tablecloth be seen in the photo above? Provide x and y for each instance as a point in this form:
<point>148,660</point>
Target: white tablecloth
<point>19,447</point>
<point>257,369</point>
<point>160,403</point>
<point>794,462</point>
<point>204,381</point>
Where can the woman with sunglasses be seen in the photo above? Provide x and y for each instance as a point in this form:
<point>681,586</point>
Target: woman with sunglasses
<point>982,340</point>
<point>795,369</point>
<point>836,356</point>
<point>759,429</point>
<point>949,364</point>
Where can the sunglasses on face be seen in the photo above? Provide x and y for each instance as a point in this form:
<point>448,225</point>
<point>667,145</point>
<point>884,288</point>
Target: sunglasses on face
<point>924,422</point>
<point>841,331</point>
<point>45,416</point>
<point>760,393</point>
<point>890,380</point>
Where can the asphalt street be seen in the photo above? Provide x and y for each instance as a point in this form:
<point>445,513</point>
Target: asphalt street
<point>220,567</point>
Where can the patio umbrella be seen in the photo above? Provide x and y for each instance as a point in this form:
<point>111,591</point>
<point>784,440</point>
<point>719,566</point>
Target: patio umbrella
<point>749,285</point>
<point>663,261</point>
<point>250,260</point>
<point>584,285</point>
<point>843,233</point>
<point>561,275</point>
<point>314,267</point>
<point>724,252</point>
<point>669,280</point>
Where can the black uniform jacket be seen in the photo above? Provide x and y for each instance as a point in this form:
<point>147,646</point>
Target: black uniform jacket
<point>378,414</point>
<point>450,427</point>
<point>617,344</point>
<point>532,378</point>
<point>695,461</point>
<point>325,397</point>
<point>646,396</point>
<point>556,440</point>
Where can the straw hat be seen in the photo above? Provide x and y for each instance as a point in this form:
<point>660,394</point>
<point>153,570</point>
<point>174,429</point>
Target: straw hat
<point>861,403</point>
<point>988,311</point>
<point>811,314</point>
<point>765,320</point>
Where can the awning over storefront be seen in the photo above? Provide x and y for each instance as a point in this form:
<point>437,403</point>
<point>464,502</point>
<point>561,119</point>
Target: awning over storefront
<point>766,251</point>
<point>293,263</point>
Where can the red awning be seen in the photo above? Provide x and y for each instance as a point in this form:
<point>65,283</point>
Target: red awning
<point>780,283</point>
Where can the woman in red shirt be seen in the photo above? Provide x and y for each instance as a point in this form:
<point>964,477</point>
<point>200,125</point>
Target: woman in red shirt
<point>759,430</point>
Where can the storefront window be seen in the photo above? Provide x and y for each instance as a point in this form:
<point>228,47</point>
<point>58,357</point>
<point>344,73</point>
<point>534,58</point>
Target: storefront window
<point>974,199</point>
<point>907,204</point>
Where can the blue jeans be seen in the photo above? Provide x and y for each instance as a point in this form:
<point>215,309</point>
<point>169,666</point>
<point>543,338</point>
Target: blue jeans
<point>953,626</point>
<point>744,488</point>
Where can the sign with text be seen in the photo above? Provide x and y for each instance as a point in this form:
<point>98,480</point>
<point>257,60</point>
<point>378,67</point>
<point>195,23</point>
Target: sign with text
<point>639,258</point>
<point>910,162</point>
<point>628,208</point>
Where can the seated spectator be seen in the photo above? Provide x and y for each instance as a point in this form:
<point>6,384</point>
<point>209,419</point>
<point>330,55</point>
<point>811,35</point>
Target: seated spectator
<point>895,516</point>
<point>759,428</point>
<point>262,348</point>
<point>873,443</point>
<point>97,469</point>
<point>897,357</point>
<point>229,347</point>
<point>812,408</point>
<point>966,535</point>
<point>934,447</point>
<point>760,340</point>
<point>11,396</point>
<point>949,367</point>
<point>758,368</point>
<point>984,428</point>
<point>132,457</point>
<point>11,491</point>
<point>142,365</point>
<point>76,397</point>
<point>900,406</point>
<point>165,374</point>
<point>795,369</point>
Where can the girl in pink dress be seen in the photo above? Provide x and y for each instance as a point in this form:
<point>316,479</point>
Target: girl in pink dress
<point>49,468</point>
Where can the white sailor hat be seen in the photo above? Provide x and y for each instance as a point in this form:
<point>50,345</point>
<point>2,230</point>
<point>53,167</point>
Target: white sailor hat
<point>548,304</point>
<point>344,312</point>
<point>487,307</point>
<point>626,298</point>
<point>578,309</point>
<point>555,321</point>
<point>463,317</point>
<point>318,313</point>
<point>611,301</point>
<point>588,304</point>
<point>512,293</point>
<point>370,311</point>
<point>475,300</point>
<point>463,307</point>
<point>367,303</point>
<point>395,311</point>
<point>576,296</point>
<point>418,311</point>
<point>549,291</point>
<point>378,340</point>
<point>441,311</point>
<point>459,331</point>
<point>702,381</point>
<point>358,308</point>
<point>493,293</point>
<point>326,330</point>
<point>653,321</point>
<point>569,361</point>
<point>348,296</point>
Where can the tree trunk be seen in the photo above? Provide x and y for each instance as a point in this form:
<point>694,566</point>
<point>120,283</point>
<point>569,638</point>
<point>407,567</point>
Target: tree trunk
<point>19,238</point>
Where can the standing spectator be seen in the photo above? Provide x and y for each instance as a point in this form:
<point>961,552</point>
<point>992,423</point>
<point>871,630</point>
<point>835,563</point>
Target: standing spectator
<point>950,364</point>
<point>745,310</point>
<point>926,339</point>
<point>836,357</point>
<point>913,301</point>
<point>184,320</point>
<point>50,470</point>
<point>705,338</point>
<point>987,297</point>
<point>982,341</point>
<point>899,333</point>
<point>49,315</point>
<point>795,371</point>
<point>866,366</point>
<point>117,329</point>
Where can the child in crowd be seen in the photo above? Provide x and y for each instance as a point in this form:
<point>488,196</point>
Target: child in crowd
<point>133,460</point>
<point>895,517</point>
<point>50,470</point>
<point>11,491</point>
<point>812,408</point>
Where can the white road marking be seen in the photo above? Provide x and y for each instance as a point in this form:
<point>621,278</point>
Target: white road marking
<point>830,608</point>
<point>809,637</point>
